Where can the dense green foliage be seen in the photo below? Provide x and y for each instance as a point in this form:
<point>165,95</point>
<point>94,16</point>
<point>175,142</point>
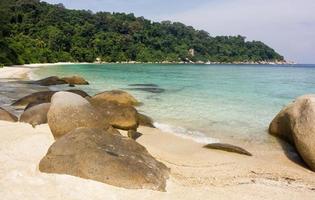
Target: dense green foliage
<point>34,31</point>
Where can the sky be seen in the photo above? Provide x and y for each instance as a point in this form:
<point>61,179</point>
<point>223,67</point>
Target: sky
<point>288,26</point>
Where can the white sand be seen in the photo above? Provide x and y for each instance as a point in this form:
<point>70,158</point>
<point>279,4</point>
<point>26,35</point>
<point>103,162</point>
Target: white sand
<point>14,72</point>
<point>22,71</point>
<point>196,173</point>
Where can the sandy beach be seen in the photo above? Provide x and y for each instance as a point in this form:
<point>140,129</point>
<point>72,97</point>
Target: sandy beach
<point>196,173</point>
<point>273,172</point>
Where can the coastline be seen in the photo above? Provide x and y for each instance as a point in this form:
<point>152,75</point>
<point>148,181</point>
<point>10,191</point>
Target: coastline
<point>162,62</point>
<point>196,172</point>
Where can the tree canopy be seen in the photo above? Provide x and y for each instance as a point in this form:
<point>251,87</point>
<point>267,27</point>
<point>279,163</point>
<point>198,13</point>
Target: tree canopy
<point>37,32</point>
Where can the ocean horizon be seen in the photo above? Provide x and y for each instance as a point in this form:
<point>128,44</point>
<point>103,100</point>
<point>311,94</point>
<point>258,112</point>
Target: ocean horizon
<point>205,103</point>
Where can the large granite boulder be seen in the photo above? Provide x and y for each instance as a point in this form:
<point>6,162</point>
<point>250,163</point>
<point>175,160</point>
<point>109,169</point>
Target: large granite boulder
<point>69,111</point>
<point>118,115</point>
<point>118,96</point>
<point>107,157</point>
<point>42,97</point>
<point>296,123</point>
<point>52,80</point>
<point>280,126</point>
<point>36,115</point>
<point>75,80</point>
<point>7,116</point>
<point>144,120</point>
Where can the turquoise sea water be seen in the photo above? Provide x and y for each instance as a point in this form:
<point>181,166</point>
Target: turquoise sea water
<point>201,101</point>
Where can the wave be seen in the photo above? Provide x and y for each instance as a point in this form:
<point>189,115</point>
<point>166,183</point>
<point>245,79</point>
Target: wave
<point>196,136</point>
<point>32,76</point>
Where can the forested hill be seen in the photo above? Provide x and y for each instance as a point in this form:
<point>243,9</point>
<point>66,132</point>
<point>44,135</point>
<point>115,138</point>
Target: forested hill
<point>38,32</point>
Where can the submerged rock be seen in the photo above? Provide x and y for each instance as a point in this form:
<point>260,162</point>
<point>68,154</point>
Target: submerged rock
<point>42,97</point>
<point>69,111</point>
<point>134,134</point>
<point>144,120</point>
<point>7,116</point>
<point>107,157</point>
<point>144,85</point>
<point>75,80</point>
<point>296,124</point>
<point>36,115</point>
<point>149,89</point>
<point>118,96</point>
<point>52,80</point>
<point>121,116</point>
<point>228,148</point>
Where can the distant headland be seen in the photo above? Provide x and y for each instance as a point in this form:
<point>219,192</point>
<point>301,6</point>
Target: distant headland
<point>38,32</point>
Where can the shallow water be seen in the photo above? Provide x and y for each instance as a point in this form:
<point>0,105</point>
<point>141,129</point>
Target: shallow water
<point>219,101</point>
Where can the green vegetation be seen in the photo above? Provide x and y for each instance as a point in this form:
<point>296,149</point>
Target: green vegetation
<point>37,32</point>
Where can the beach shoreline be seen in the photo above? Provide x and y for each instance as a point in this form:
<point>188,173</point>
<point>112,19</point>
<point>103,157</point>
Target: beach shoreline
<point>273,172</point>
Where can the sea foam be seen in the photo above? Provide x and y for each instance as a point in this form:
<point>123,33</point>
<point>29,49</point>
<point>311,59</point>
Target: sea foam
<point>196,136</point>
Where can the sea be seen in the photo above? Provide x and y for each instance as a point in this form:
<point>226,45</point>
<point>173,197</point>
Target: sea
<point>206,103</point>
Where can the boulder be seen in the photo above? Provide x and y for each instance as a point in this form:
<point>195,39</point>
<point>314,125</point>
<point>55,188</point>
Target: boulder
<point>228,148</point>
<point>42,97</point>
<point>144,120</point>
<point>281,125</point>
<point>103,156</point>
<point>7,116</point>
<point>36,115</point>
<point>118,96</point>
<point>32,104</point>
<point>296,124</point>
<point>134,134</point>
<point>69,111</point>
<point>79,92</point>
<point>118,115</point>
<point>37,98</point>
<point>52,80</point>
<point>75,80</point>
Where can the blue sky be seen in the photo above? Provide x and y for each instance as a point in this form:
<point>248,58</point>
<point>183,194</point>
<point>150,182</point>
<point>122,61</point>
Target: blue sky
<point>286,25</point>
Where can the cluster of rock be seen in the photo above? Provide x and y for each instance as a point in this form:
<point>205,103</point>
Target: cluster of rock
<point>296,124</point>
<point>88,144</point>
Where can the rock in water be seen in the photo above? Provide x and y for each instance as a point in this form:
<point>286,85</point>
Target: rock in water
<point>52,80</point>
<point>144,120</point>
<point>228,147</point>
<point>42,97</point>
<point>118,96</point>
<point>7,116</point>
<point>106,157</point>
<point>144,85</point>
<point>35,98</point>
<point>118,115</point>
<point>36,115</point>
<point>134,134</point>
<point>69,111</point>
<point>75,80</point>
